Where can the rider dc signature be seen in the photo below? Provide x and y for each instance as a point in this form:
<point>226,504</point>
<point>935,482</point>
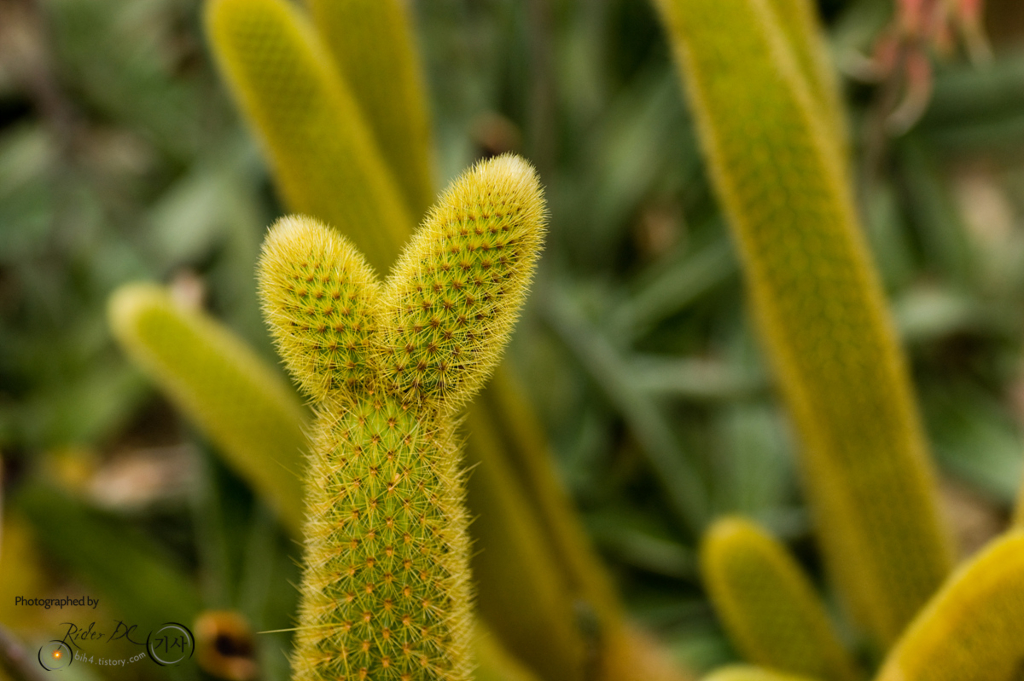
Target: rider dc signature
<point>167,644</point>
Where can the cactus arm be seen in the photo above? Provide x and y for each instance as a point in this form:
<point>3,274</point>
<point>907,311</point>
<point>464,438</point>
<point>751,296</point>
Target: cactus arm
<point>819,306</point>
<point>221,385</point>
<point>373,47</point>
<point>319,296</point>
<point>456,291</point>
<point>745,673</point>
<point>322,153</point>
<point>971,629</point>
<point>768,605</point>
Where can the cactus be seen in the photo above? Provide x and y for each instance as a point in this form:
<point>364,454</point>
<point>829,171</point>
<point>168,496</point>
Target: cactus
<point>821,313</point>
<point>533,562</point>
<point>267,431</point>
<point>385,589</point>
<point>386,83</point>
<point>819,307</point>
<point>308,122</point>
<point>743,673</point>
<point>768,605</point>
<point>797,18</point>
<point>220,384</point>
<point>971,629</point>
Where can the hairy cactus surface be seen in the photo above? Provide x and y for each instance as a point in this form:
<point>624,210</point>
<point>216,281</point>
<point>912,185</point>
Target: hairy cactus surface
<point>819,307</point>
<point>768,605</point>
<point>971,629</point>
<point>385,589</point>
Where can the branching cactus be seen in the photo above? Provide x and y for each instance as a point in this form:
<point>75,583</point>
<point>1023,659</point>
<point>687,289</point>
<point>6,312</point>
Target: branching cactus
<point>336,98</point>
<point>386,590</point>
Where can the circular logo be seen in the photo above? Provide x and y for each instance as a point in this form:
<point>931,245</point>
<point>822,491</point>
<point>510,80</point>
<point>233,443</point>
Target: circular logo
<point>170,643</point>
<point>55,655</point>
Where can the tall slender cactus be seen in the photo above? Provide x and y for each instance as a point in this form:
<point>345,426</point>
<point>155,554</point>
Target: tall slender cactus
<point>387,83</point>
<point>385,589</point>
<point>818,304</point>
<point>320,147</point>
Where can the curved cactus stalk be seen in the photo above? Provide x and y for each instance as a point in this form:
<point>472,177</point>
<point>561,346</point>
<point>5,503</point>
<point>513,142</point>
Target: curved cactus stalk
<point>385,589</point>
<point>323,154</point>
<point>971,629</point>
<point>244,407</point>
<point>819,306</point>
<point>742,673</point>
<point>768,605</point>
<point>387,83</point>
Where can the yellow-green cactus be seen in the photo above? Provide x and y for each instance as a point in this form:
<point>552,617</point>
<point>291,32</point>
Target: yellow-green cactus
<point>385,589</point>
<point>533,562</point>
<point>220,384</point>
<point>819,307</point>
<point>265,416</point>
<point>743,673</point>
<point>971,629</point>
<point>493,661</point>
<point>387,83</point>
<point>1018,511</point>
<point>767,604</point>
<point>798,18</point>
<point>322,152</point>
<point>511,561</point>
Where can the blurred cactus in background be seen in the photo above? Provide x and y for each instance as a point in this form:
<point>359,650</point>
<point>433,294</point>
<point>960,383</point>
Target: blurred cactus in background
<point>819,305</point>
<point>772,147</point>
<point>768,605</point>
<point>245,407</point>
